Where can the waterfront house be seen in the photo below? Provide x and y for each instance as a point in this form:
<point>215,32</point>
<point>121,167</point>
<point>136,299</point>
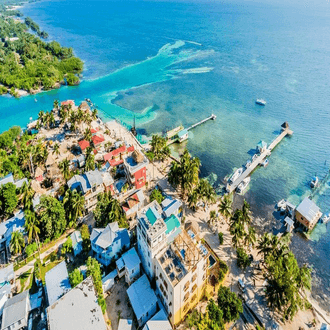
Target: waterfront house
<point>142,299</point>
<point>16,312</point>
<point>261,146</point>
<point>57,282</point>
<point>108,242</point>
<point>172,206</point>
<point>289,224</point>
<point>76,242</point>
<point>158,322</point>
<point>115,157</point>
<point>129,265</point>
<point>77,309</point>
<point>90,185</point>
<point>308,213</point>
<point>133,203</point>
<point>97,140</point>
<point>183,135</point>
<point>136,169</point>
<point>16,223</point>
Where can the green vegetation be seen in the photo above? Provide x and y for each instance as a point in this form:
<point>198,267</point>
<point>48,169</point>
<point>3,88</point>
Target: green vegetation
<point>8,199</point>
<point>159,148</point>
<point>23,278</point>
<point>109,210</point>
<point>287,283</point>
<point>225,206</point>
<point>31,248</point>
<point>203,192</point>
<point>229,303</point>
<point>86,238</point>
<point>67,247</point>
<point>243,260</point>
<point>156,195</point>
<point>94,270</point>
<point>220,235</point>
<point>17,242</point>
<point>73,203</point>
<point>75,277</point>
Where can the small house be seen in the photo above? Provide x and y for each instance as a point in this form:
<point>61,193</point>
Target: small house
<point>261,146</point>
<point>109,281</point>
<point>83,144</point>
<point>159,321</point>
<point>183,135</point>
<point>76,242</point>
<point>143,299</point>
<point>133,203</point>
<point>308,213</point>
<point>129,265</point>
<point>172,206</point>
<point>136,169</point>
<point>97,140</point>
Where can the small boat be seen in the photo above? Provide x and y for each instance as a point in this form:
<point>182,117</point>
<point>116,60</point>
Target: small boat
<point>236,174</point>
<point>242,186</point>
<point>326,218</point>
<point>265,162</point>
<point>254,157</point>
<point>35,100</point>
<point>248,163</point>
<point>281,205</point>
<point>261,102</point>
<point>314,182</point>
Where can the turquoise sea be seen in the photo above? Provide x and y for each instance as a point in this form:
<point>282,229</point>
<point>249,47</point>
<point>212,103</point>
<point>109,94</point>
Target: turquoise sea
<point>176,62</point>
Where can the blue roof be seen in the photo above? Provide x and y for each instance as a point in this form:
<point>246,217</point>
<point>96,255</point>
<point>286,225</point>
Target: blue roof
<point>76,238</point>
<point>171,223</point>
<point>131,259</point>
<point>262,144</point>
<point>13,224</point>
<point>141,296</point>
<point>152,215</point>
<point>8,178</point>
<point>182,133</point>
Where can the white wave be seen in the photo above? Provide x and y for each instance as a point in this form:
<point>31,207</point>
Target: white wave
<point>187,41</point>
<point>204,69</point>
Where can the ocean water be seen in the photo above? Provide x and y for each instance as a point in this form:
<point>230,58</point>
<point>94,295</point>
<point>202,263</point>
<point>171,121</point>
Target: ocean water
<point>175,62</point>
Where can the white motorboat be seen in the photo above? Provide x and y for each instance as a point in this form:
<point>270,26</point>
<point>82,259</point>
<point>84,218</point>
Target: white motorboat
<point>242,186</point>
<point>254,157</point>
<point>281,205</point>
<point>248,163</point>
<point>326,218</point>
<point>265,162</point>
<point>261,102</point>
<point>314,182</point>
<point>236,175</point>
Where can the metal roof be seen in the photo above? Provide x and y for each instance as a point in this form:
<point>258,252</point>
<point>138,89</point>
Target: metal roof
<point>141,296</point>
<point>308,209</point>
<point>13,224</point>
<point>57,282</point>
<point>158,322</point>
<point>171,207</point>
<point>131,259</point>
<point>76,238</point>
<point>152,215</point>
<point>7,273</point>
<point>6,179</point>
<point>78,309</point>
<point>171,223</point>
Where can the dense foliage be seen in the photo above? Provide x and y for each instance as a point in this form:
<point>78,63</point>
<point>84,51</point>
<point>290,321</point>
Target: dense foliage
<point>156,195</point>
<point>159,148</point>
<point>229,303</point>
<point>75,277</point>
<point>8,199</point>
<point>85,237</point>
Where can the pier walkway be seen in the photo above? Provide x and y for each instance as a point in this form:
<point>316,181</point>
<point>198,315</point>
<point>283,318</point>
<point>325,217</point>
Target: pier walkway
<point>259,160</point>
<point>212,117</point>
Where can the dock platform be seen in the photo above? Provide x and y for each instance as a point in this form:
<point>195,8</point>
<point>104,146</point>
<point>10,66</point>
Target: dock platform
<point>212,117</point>
<point>260,159</point>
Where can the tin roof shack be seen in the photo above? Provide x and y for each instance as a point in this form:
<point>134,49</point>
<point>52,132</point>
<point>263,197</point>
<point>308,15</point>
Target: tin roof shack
<point>308,213</point>
<point>143,299</point>
<point>76,242</point>
<point>77,309</point>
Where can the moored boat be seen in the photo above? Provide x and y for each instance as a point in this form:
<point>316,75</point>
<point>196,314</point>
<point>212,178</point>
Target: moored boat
<point>242,186</point>
<point>326,218</point>
<point>248,163</point>
<point>281,205</point>
<point>236,175</point>
<point>261,102</point>
<point>265,162</point>
<point>314,182</point>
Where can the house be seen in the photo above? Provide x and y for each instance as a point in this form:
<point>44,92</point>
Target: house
<point>289,224</point>
<point>90,185</point>
<point>97,140</point>
<point>83,144</point>
<point>172,228</point>
<point>16,312</point>
<point>142,299</point>
<point>115,157</point>
<point>107,181</point>
<point>183,135</point>
<point>133,203</point>
<point>7,276</point>
<point>308,213</point>
<point>129,265</point>
<point>77,309</point>
<point>158,322</point>
<point>109,281</point>
<point>125,324</point>
<point>9,178</point>
<point>76,242</point>
<point>81,160</point>
<point>16,223</point>
<point>108,242</point>
<point>172,206</point>
<point>136,169</point>
<point>261,146</point>
<point>57,282</point>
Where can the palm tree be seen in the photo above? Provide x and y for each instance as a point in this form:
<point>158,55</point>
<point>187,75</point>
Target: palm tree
<point>193,200</point>
<point>74,205</point>
<point>213,216</point>
<point>225,206</point>
<point>94,114</point>
<point>246,212</point>
<point>250,238</point>
<point>17,242</point>
<point>64,166</point>
<point>41,116</point>
<point>56,104</point>
<point>56,149</point>
<point>206,192</point>
<point>31,226</point>
<point>27,194</point>
<point>51,119</point>
<point>87,134</point>
<point>89,162</point>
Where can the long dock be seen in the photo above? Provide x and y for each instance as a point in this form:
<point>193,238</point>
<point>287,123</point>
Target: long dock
<point>212,117</point>
<point>260,159</point>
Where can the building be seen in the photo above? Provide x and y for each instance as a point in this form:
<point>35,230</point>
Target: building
<point>129,265</point>
<point>76,242</point>
<point>108,242</point>
<point>289,224</point>
<point>68,103</point>
<point>97,140</point>
<point>90,185</point>
<point>16,223</point>
<point>77,309</point>
<point>158,322</point>
<point>109,281</point>
<point>183,135</point>
<point>16,312</point>
<point>181,275</point>
<point>7,277</point>
<point>57,282</point>
<point>154,232</point>
<point>10,179</point>
<point>172,206</point>
<point>308,213</point>
<point>116,157</point>
<point>142,299</point>
<point>136,169</point>
<point>133,203</point>
<point>261,146</point>
<point>83,144</point>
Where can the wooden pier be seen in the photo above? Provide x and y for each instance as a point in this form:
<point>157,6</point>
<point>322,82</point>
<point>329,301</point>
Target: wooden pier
<point>260,159</point>
<point>212,117</point>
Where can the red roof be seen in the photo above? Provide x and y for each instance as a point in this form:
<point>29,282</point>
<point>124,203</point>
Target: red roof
<point>130,149</point>
<point>97,139</point>
<point>114,153</point>
<point>95,151</point>
<point>114,162</point>
<point>94,130</point>
<point>67,102</point>
<point>40,178</point>
<point>83,144</point>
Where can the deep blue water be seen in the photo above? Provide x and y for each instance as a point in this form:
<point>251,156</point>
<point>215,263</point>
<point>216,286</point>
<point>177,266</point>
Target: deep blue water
<point>177,62</point>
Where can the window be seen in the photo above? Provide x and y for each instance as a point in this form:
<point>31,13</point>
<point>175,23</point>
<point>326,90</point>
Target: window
<point>186,296</point>
<point>194,288</point>
<point>185,308</point>
<point>160,276</point>
<point>149,264</point>
<point>194,278</point>
<point>193,298</point>
<point>165,284</point>
<point>19,322</point>
<point>186,286</point>
<point>133,271</point>
<point>169,315</point>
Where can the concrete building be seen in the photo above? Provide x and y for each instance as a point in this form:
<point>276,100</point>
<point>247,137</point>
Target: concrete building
<point>108,242</point>
<point>181,273</point>
<point>77,309</point>
<point>16,312</point>
<point>158,322</point>
<point>57,282</point>
<point>129,265</point>
<point>90,185</point>
<point>7,277</point>
<point>76,242</point>
<point>308,213</point>
<point>172,206</point>
<point>133,203</point>
<point>143,300</point>
<point>136,169</point>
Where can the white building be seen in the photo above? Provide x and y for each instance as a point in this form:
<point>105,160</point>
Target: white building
<point>129,265</point>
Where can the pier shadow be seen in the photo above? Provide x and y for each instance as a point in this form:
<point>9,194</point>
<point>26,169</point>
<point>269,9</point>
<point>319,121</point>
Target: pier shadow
<point>277,132</point>
<point>252,152</point>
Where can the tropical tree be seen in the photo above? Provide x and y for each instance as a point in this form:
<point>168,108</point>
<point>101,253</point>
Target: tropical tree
<point>56,149</point>
<point>87,134</point>
<point>27,194</point>
<point>206,193</point>
<point>230,304</point>
<point>159,147</point>
<point>75,277</point>
<point>85,235</point>
<point>64,166</point>
<point>32,226</point>
<point>250,237</point>
<point>17,242</point>
<point>73,203</point>
<point>94,114</point>
<point>225,206</point>
<point>90,160</point>
<point>156,195</point>
<point>8,199</point>
<point>56,104</point>
<point>246,213</point>
<point>213,216</point>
